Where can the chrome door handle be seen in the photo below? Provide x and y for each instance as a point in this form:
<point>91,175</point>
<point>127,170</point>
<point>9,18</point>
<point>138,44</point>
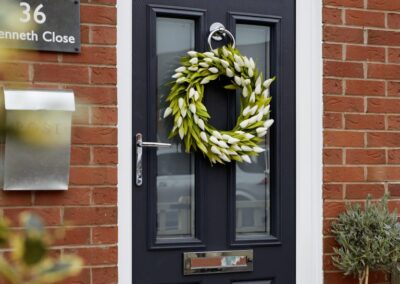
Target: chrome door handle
<point>139,155</point>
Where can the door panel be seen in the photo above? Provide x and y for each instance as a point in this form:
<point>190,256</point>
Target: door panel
<point>184,204</point>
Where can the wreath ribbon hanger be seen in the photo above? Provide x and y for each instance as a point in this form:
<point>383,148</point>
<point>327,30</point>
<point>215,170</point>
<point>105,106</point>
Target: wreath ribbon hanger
<point>190,116</point>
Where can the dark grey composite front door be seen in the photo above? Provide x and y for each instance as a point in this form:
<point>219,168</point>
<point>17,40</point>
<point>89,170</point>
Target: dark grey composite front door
<point>186,205</point>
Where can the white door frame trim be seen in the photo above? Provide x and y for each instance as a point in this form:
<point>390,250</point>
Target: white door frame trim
<point>309,141</point>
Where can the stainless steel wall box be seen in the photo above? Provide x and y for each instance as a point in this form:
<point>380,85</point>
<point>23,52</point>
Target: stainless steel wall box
<point>38,139</point>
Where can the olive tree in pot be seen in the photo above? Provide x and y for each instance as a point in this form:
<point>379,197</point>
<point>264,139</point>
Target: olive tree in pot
<point>369,239</point>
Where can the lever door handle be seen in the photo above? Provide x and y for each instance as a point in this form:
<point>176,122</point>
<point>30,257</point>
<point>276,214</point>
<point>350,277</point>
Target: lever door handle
<point>140,144</point>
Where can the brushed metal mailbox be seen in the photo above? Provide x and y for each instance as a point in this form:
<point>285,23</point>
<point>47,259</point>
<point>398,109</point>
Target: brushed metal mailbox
<point>211,262</point>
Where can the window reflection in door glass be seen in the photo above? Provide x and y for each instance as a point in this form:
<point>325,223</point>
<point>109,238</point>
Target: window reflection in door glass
<point>175,168</point>
<point>253,180</point>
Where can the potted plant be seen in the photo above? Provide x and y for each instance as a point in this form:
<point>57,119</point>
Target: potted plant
<point>368,238</point>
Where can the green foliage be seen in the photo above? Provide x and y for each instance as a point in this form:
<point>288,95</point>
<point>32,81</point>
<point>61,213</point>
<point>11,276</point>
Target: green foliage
<point>369,239</point>
<point>29,261</point>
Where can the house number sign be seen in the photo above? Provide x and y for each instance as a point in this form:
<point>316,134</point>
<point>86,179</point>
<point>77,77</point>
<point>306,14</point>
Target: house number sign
<point>45,25</point>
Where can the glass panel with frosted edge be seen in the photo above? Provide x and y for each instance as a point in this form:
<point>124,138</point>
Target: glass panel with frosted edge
<point>253,180</point>
<point>175,168</point>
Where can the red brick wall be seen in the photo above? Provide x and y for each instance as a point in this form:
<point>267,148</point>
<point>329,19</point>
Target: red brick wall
<point>89,207</point>
<point>361,108</point>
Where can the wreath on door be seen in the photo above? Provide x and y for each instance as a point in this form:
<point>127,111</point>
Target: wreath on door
<point>190,116</point>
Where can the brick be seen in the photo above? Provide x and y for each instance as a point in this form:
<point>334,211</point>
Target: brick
<point>105,235</point>
<point>333,156</point>
<point>393,89</point>
<point>104,115</point>
<point>365,156</point>
<point>343,174</point>
<point>393,21</point>
<point>383,139</point>
<point>379,37</point>
<point>98,15</point>
<point>383,173</point>
<point>104,35</point>
<point>365,88</point>
<point>96,95</point>
<point>329,243</point>
<point>343,104</point>
<point>394,156</point>
<point>333,209</point>
<point>94,135</point>
<point>105,275</point>
<point>15,198</point>
<point>362,191</point>
<point>333,86</point>
<point>51,216</point>
<point>93,55</point>
<point>104,76</point>
<point>14,72</point>
<point>384,5</point>
<point>81,115</point>
<point>394,55</point>
<point>105,155</point>
<point>383,105</point>
<point>365,18</point>
<point>85,30</point>
<point>365,53</point>
<point>93,176</point>
<point>338,277</point>
<point>74,236</point>
<point>32,56</point>
<point>333,191</point>
<point>96,255</point>
<point>333,120</point>
<point>74,196</point>
<point>343,69</point>
<point>61,74</point>
<point>383,71</point>
<point>393,122</point>
<point>332,51</point>
<point>346,35</point>
<point>90,215</point>
<point>361,121</point>
<point>343,139</point>
<point>394,189</point>
<point>82,278</point>
<point>345,3</point>
<point>80,155</point>
<point>105,195</point>
<point>332,16</point>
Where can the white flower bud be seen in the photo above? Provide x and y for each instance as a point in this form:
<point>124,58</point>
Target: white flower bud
<point>225,63</point>
<point>246,82</point>
<point>232,153</point>
<point>181,102</point>
<point>217,134</point>
<point>252,120</point>
<point>214,139</point>
<point>259,80</point>
<point>208,60</point>
<point>167,112</point>
<point>181,80</point>
<point>177,75</point>
<point>239,132</point>
<point>196,95</point>
<point>250,72</point>
<point>266,94</point>
<point>244,123</point>
<point>259,116</point>
<point>246,62</point>
<point>238,80</point>
<point>266,110</point>
<point>208,54</point>
<point>268,123</point>
<point>183,112</point>
<point>225,158</point>
<point>261,129</point>
<point>191,92</point>
<point>200,123</point>
<point>194,61</point>
<point>245,92</point>
<point>193,68</point>
<point>239,60</point>
<point>246,111</point>
<point>215,150</point>
<point>223,144</point>
<point>262,134</point>
<point>192,108</point>
<point>192,53</point>
<point>249,136</point>
<point>247,148</point>
<point>246,158</point>
<point>215,52</point>
<point>203,136</point>
<point>258,89</point>
<point>226,137</point>
<point>237,67</point>
<point>179,121</point>
<point>180,69</point>
<point>213,70</point>
<point>226,52</point>
<point>258,149</point>
<point>205,81</point>
<point>252,64</point>
<point>229,72</point>
<point>181,133</point>
<point>268,82</point>
<point>204,64</point>
<point>252,98</point>
<point>233,140</point>
<point>253,110</point>
<point>196,118</point>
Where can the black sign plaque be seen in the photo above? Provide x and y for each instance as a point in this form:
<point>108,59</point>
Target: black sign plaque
<point>45,25</point>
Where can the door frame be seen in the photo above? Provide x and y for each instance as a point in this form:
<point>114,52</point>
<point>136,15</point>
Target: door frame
<point>309,115</point>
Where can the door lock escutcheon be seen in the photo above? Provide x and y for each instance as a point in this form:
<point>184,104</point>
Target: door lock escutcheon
<point>140,144</point>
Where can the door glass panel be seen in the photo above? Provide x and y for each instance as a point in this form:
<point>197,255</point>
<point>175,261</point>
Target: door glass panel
<point>175,168</point>
<point>253,180</point>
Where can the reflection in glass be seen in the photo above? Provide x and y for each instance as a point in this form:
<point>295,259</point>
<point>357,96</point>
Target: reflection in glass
<point>175,170</point>
<point>253,180</point>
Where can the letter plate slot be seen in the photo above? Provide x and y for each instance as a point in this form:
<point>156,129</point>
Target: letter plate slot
<point>210,262</point>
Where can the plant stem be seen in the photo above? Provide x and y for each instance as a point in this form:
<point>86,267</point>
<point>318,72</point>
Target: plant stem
<point>367,275</point>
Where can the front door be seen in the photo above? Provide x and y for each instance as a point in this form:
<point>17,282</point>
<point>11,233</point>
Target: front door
<point>194,223</point>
